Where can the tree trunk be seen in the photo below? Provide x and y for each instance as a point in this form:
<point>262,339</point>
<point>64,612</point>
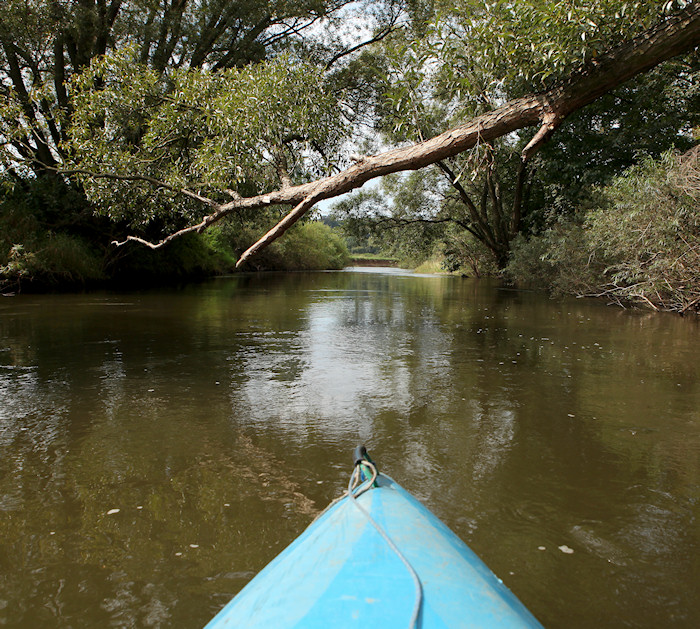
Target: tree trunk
<point>674,36</point>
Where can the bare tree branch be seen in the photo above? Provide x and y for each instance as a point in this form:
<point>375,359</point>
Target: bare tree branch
<point>390,28</point>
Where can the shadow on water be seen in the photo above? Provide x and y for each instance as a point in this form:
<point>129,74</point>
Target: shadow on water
<point>158,448</point>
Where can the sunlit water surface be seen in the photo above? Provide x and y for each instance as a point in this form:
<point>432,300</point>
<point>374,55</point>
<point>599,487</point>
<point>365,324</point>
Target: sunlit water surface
<point>158,448</point>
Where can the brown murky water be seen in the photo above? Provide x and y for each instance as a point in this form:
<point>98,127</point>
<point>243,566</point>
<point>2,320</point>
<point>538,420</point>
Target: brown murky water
<point>158,448</point>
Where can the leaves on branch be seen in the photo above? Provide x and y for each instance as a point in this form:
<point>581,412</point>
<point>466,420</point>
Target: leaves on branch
<point>196,133</point>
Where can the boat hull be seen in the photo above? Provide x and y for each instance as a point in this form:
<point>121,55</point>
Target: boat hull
<point>341,572</point>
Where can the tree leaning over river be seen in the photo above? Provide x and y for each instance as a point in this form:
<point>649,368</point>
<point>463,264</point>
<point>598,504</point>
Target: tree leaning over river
<point>164,142</point>
<point>51,233</point>
<point>674,35</point>
<point>465,210</point>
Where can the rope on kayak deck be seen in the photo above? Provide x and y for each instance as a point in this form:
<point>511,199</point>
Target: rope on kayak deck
<point>353,493</point>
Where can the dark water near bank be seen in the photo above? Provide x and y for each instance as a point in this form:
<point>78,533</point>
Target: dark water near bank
<point>157,449</point>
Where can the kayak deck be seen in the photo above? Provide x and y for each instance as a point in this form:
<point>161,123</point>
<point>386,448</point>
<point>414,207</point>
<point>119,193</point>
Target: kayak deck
<point>341,572</point>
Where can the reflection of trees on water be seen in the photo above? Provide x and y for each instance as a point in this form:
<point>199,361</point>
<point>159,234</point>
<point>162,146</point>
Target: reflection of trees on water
<point>122,413</point>
<point>522,422</point>
<point>356,357</point>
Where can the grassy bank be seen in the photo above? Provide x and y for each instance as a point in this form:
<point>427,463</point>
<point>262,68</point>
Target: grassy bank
<point>372,259</point>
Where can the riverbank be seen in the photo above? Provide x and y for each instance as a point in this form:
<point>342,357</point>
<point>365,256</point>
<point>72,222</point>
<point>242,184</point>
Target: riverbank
<point>373,261</point>
<point>69,261</point>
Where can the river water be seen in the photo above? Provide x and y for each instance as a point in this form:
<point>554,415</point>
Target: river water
<point>158,448</point>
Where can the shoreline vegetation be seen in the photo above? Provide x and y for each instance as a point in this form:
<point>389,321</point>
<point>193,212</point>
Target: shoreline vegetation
<point>552,146</point>
<point>634,242</point>
<point>51,260</point>
<point>373,260</point>
<point>638,244</point>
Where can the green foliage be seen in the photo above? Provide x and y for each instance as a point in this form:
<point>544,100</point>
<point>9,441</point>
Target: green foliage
<point>52,259</point>
<point>463,253</point>
<point>191,257</point>
<point>641,244</point>
<point>649,236</point>
<point>43,228</point>
<point>353,214</point>
<point>312,245</point>
<point>412,110</point>
<point>649,115</point>
<point>211,132</point>
<point>559,259</point>
<point>44,44</point>
<point>42,245</point>
<point>473,55</point>
<point>398,220</point>
<point>501,48</point>
<point>48,259</point>
<point>476,55</point>
<point>308,245</point>
<point>236,110</point>
<point>165,91</point>
<point>46,200</point>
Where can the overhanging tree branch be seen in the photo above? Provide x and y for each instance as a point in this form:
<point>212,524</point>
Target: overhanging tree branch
<point>156,183</point>
<point>373,40</point>
<point>676,35</point>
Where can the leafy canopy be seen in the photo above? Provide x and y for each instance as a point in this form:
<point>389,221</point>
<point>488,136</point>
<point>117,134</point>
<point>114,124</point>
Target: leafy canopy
<point>43,44</point>
<point>503,48</point>
<point>475,55</point>
<point>236,131</point>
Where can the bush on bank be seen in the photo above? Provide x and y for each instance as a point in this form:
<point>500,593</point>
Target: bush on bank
<point>43,235</point>
<point>307,246</point>
<point>50,239</point>
<point>641,244</point>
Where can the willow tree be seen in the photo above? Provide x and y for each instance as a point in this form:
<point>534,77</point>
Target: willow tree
<point>46,47</point>
<point>222,189</point>
<point>150,147</point>
<point>475,56</point>
<point>44,44</point>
